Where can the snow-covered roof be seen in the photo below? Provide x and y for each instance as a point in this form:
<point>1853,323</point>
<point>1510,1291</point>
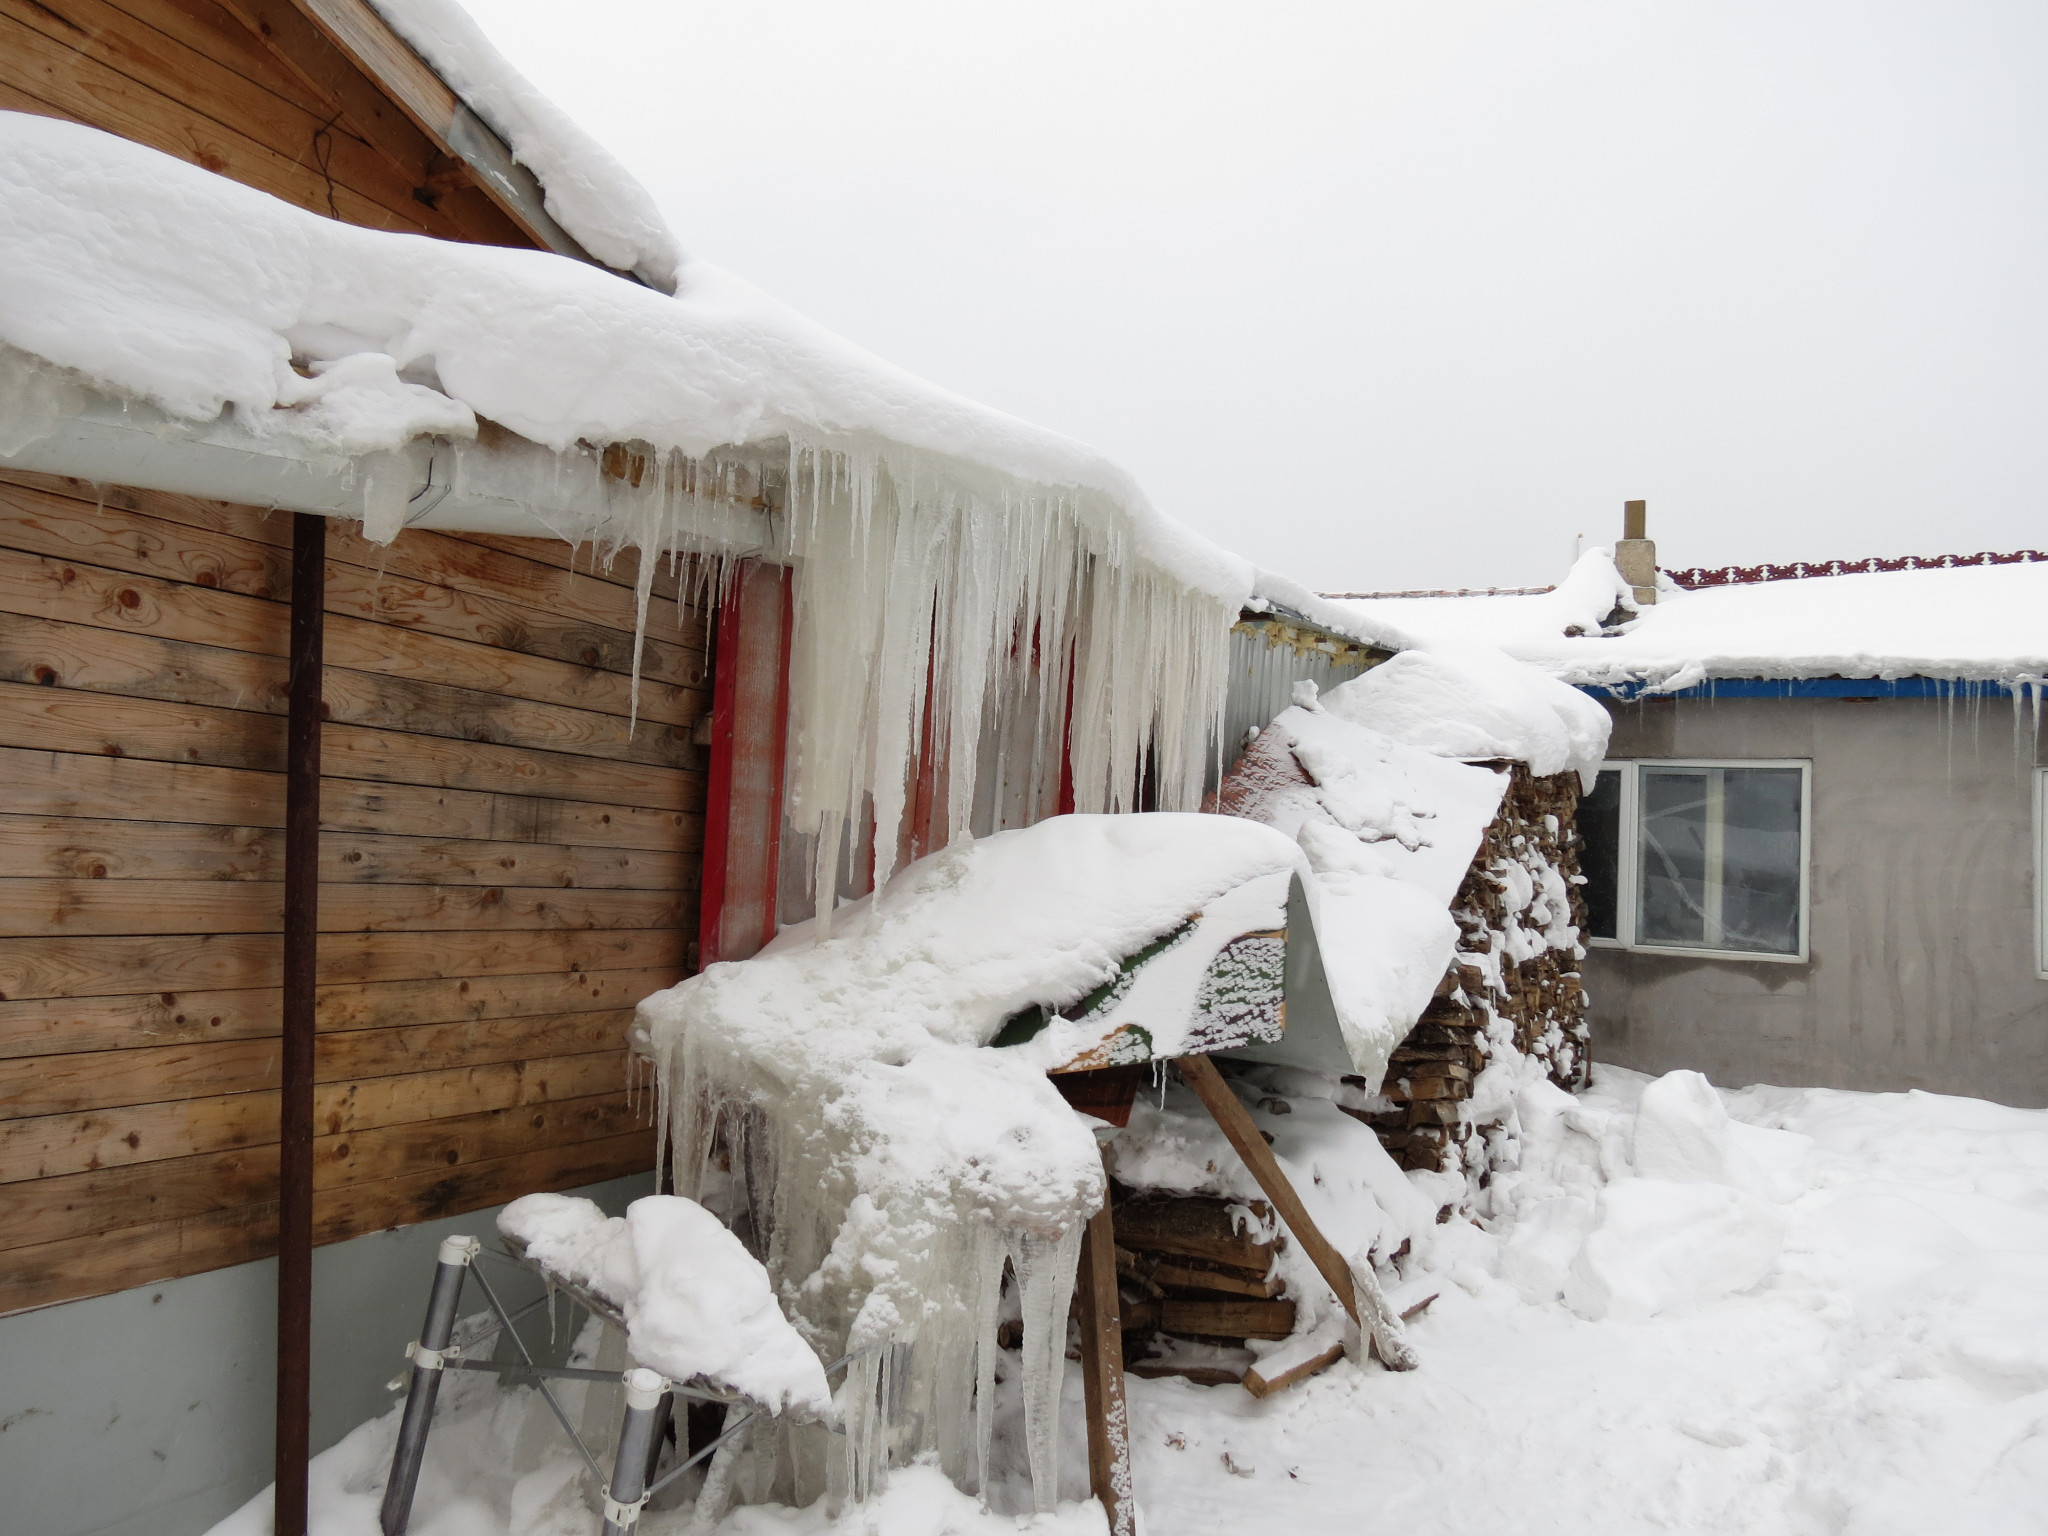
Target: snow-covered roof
<point>585,189</point>
<point>162,282</point>
<point>1983,623</point>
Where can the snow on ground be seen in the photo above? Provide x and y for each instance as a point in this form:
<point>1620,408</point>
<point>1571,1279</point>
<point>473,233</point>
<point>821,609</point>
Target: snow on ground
<point>1887,1373</point>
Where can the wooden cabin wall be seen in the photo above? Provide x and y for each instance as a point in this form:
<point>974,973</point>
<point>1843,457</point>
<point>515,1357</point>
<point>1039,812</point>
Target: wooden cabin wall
<point>248,89</point>
<point>505,871</point>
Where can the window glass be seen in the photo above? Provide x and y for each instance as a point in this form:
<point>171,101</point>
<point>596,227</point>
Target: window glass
<point>1720,859</point>
<point>1600,855</point>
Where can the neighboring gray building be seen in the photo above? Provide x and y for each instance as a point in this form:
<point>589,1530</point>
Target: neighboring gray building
<point>1815,854</point>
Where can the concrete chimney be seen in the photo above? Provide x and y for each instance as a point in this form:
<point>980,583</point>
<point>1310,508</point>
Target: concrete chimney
<point>1635,553</point>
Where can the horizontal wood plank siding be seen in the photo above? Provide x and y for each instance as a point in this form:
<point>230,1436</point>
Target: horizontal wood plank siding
<point>508,864</point>
<point>247,89</point>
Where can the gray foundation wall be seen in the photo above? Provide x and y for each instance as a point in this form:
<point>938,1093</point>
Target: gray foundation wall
<point>149,1412</point>
<point>1922,970</point>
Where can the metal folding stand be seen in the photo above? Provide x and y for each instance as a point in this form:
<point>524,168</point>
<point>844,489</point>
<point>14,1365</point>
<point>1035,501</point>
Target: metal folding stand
<point>650,1396</point>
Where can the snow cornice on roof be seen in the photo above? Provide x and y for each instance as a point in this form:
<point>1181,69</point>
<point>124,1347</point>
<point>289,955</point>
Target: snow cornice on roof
<point>1973,620</point>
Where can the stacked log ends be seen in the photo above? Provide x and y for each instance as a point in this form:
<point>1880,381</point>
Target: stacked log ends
<point>1197,1268</point>
<point>1514,984</point>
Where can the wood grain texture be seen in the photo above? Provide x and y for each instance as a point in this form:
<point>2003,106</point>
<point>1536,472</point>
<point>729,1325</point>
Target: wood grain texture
<point>115,1136</point>
<point>508,866</point>
<point>130,1256</point>
<point>100,1199</point>
<point>123,1021</point>
<point>371,859</point>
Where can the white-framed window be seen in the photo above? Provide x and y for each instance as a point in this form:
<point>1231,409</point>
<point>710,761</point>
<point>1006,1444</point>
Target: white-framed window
<point>1700,857</point>
<point>2041,873</point>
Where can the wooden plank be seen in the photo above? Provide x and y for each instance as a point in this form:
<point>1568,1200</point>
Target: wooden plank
<point>1102,1375</point>
<point>395,757</point>
<point>46,1026</point>
<point>94,967</point>
<point>134,789</point>
<point>416,810</point>
<point>623,570</point>
<point>406,1098</point>
<point>1200,1074</point>
<point>67,720</point>
<point>66,1084</point>
<point>1230,1282</point>
<point>71,908</point>
<point>1195,1227</point>
<point>115,1261</point>
<point>44,588</point>
<point>33,1086</point>
<point>336,80</point>
<point>57,81</point>
<point>274,529</point>
<point>424,908</point>
<point>360,593</point>
<point>359,1053</point>
<point>126,538</point>
<point>388,1004</point>
<point>392,650</point>
<point>36,1211</point>
<point>358,1208</point>
<point>74,907</point>
<point>54,653</point>
<point>1233,1319</point>
<point>78,653</point>
<point>53,1145</point>
<point>133,1256</point>
<point>467,565</point>
<point>84,848</point>
<point>1268,1376</point>
<point>402,704</point>
<point>368,40</point>
<point>355,858</point>
<point>53,1026</point>
<point>194,86</point>
<point>210,28</point>
<point>254,524</point>
<point>43,1210</point>
<point>421,1146</point>
<point>407,956</point>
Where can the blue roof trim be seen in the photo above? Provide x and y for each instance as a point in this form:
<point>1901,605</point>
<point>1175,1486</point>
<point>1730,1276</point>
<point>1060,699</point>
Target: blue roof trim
<point>1810,688</point>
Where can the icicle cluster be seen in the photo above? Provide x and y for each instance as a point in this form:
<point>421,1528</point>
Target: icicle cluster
<point>942,609</point>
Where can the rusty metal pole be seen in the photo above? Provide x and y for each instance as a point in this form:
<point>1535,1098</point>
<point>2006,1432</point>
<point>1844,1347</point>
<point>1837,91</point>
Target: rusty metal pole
<point>295,1110</point>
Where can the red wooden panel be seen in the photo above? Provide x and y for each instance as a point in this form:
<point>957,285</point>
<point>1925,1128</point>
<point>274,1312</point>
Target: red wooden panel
<point>749,739</point>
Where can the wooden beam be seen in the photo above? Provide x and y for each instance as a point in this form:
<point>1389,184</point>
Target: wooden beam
<point>1379,1325</point>
<point>1200,1074</point>
<point>380,53</point>
<point>1102,1375</point>
<point>301,977</point>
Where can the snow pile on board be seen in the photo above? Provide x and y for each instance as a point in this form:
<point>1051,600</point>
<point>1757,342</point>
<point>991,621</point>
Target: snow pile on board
<point>1473,702</point>
<point>585,190</point>
<point>889,1164</point>
<point>697,1305</point>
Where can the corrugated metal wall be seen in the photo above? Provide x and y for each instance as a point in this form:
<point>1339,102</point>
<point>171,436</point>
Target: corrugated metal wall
<point>1268,656</point>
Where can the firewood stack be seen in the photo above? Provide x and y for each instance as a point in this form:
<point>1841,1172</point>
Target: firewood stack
<point>1538,1006</point>
<point>1194,1268</point>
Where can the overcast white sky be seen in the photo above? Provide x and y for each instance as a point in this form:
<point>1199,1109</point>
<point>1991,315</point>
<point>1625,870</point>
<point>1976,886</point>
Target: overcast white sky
<point>1388,295</point>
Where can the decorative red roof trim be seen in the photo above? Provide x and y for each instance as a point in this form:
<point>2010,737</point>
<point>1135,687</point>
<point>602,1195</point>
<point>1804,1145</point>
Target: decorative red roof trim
<point>1739,575</point>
